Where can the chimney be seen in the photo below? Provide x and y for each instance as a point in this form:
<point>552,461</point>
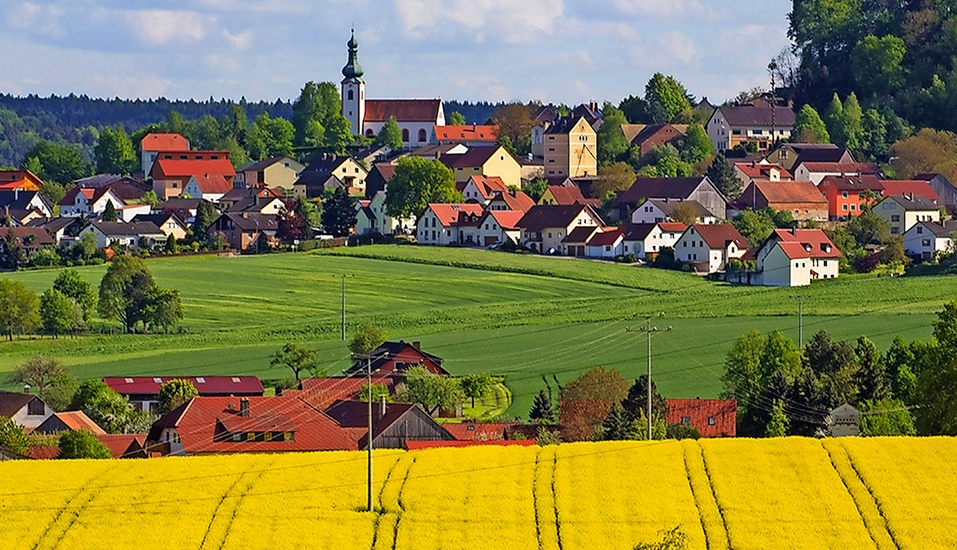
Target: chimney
<point>244,407</point>
<point>382,407</point>
<point>16,194</point>
<point>416,345</point>
<point>794,231</point>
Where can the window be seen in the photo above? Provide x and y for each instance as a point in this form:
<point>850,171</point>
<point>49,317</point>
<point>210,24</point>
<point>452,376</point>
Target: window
<point>895,230</point>
<point>686,420</point>
<point>351,95</point>
<point>844,207</point>
<point>895,217</point>
<point>35,408</point>
<point>853,207</point>
<point>711,421</point>
<point>250,436</point>
<point>422,136</point>
<point>370,133</point>
<point>844,194</point>
<point>925,242</point>
<point>405,135</point>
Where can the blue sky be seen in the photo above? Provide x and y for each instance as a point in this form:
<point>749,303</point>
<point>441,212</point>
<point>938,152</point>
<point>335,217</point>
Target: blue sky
<point>550,50</point>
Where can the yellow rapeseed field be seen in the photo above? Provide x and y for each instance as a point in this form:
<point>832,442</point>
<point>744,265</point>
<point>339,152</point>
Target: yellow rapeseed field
<point>880,493</point>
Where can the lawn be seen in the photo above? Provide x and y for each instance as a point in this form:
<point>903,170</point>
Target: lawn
<point>522,317</point>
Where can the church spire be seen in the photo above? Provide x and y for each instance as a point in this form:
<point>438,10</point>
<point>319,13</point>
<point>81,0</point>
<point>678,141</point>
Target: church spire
<point>353,71</point>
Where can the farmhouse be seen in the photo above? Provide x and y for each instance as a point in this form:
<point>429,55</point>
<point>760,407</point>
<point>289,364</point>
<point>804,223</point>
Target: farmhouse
<point>139,234</point>
<point>645,240</point>
<point>25,409</point>
<point>925,239</point>
<point>801,198</point>
<point>711,417</point>
<point>795,257</point>
<point>700,190</point>
<point>545,227</point>
<point>902,212</point>
<point>393,424</point>
<point>88,201</point>
<point>143,391</point>
<point>172,171</point>
<point>445,224</point>
<point>392,359</point>
<point>708,248</point>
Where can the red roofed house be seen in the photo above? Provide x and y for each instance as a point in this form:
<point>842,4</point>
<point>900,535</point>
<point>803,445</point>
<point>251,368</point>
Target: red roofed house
<point>510,200</point>
<point>607,244</point>
<point>712,417</point>
<point>481,189</point>
<point>143,391</point>
<point>210,187</point>
<point>565,195</point>
<point>648,136</point>
<point>498,226</point>
<point>846,195</point>
<point>125,445</point>
<point>394,358</point>
<point>801,198</point>
<point>23,180</point>
<point>795,257</point>
<point>417,118</point>
<point>709,247</point>
<point>154,144</point>
<point>444,224</point>
<point>323,392</point>
<point>89,202</point>
<point>69,421</point>
<point>485,160</point>
<point>393,424</point>
<point>173,170</point>
<point>544,228</point>
<point>468,134</point>
<point>225,425</point>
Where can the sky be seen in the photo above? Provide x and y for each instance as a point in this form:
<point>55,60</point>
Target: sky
<point>560,51</point>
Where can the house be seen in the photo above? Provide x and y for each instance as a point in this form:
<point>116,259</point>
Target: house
<point>228,425</point>
<point>485,160</point>
<point>846,421</point>
<point>167,222</point>
<point>795,257</point>
<point>127,189</point>
<point>29,238</point>
<point>438,150</point>
<point>755,171</point>
<point>645,240</point>
<point>392,359</point>
<point>24,409</point>
<point>801,198</point>
<point>607,245</point>
<point>19,180</point>
<point>143,391</point>
<point>758,124</point>
<point>185,209</point>
<point>62,230</point>
<point>817,171</point>
<point>711,417</point>
<point>268,205</point>
<point>209,187</point>
<point>545,227</point>
<point>243,194</point>
<point>139,234</point>
<point>445,224</point>
<point>153,144</point>
<point>417,118</point>
<point>378,178</point>
<point>278,173</point>
<point>925,239</point>
<point>847,195</point>
<point>246,231</point>
<point>369,156</point>
<point>172,171</point>
<point>511,199</point>
<point>903,212</point>
<point>23,206</point>
<point>372,218</point>
<point>790,155</point>
<point>576,243</point>
<point>660,210</point>
<point>393,424</point>
<point>499,226</point>
<point>88,202</point>
<point>699,189</point>
<point>570,148</point>
<point>70,421</point>
<point>328,172</point>
<point>125,445</point>
<point>480,189</point>
<point>943,187</point>
<point>708,248</point>
<point>468,135</point>
<point>645,137</point>
<point>564,195</point>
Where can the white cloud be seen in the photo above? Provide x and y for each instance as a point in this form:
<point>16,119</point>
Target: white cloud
<point>240,41</point>
<point>480,20</point>
<point>159,27</point>
<point>43,20</point>
<point>129,87</point>
<point>666,9</point>
<point>677,46</point>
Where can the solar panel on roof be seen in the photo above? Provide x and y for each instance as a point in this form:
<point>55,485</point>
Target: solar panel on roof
<point>158,380</point>
<point>201,380</point>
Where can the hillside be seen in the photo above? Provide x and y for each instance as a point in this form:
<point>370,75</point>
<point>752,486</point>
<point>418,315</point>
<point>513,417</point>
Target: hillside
<point>523,317</point>
<point>794,493</point>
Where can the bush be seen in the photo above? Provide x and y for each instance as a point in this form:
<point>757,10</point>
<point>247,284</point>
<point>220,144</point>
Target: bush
<point>682,431</point>
<point>82,444</point>
<point>866,263</point>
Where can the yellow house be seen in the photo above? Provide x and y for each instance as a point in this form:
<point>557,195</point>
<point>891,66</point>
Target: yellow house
<point>571,148</point>
<point>484,161</point>
<point>274,173</point>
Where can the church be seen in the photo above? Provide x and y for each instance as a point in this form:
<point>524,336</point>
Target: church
<point>417,118</point>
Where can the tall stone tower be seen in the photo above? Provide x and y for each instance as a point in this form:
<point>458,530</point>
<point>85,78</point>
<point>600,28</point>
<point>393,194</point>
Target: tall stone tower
<point>353,88</point>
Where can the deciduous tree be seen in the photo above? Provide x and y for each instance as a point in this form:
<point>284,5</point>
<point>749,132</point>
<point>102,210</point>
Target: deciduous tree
<point>298,359</point>
<point>59,314</point>
<point>269,137</point>
<point>19,308</point>
<point>476,386</point>
<point>809,127</point>
<point>416,183</point>
<point>71,284</point>
<point>390,135</point>
<point>48,378</point>
<point>587,400</point>
<point>174,393</point>
<point>12,436</point>
<point>81,444</point>
<point>367,338</point>
<point>666,98</point>
<point>339,212</point>
<point>456,119</point>
<point>113,153</point>
<point>430,390</point>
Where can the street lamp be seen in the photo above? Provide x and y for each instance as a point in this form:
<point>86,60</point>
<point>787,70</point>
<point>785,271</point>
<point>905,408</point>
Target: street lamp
<point>369,357</point>
<point>648,330</point>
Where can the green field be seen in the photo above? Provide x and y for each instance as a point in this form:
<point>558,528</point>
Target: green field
<point>518,316</point>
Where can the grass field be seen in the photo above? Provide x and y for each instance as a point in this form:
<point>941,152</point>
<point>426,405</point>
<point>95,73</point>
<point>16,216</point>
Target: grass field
<point>523,317</point>
<point>868,494</point>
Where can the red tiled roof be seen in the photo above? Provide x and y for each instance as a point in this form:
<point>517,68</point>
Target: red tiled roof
<point>805,243</point>
<point>46,452</point>
<point>476,431</point>
<point>756,170</point>
<point>515,200</point>
<point>78,420</point>
<point>19,184</point>
<point>448,214</point>
<point>202,425</point>
<point>176,168</point>
<point>123,445</point>
<point>917,188</point>
<point>164,142</point>
<point>92,194</point>
<point>422,445</point>
<point>724,413</point>
<point>672,227</point>
<point>790,192</point>
<point>469,132</point>
<point>719,235</point>
<point>404,110</point>
<point>323,392</point>
<point>506,219</point>
<point>488,185</point>
<point>214,183</point>
<point>569,195</point>
<point>606,238</point>
<point>842,167</point>
<point>205,385</point>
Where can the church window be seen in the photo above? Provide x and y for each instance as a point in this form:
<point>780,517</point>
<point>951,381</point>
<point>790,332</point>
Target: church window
<point>405,135</point>
<point>370,133</point>
<point>351,95</point>
<point>422,135</point>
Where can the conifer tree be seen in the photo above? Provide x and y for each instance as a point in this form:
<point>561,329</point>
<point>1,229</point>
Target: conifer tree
<point>542,410</point>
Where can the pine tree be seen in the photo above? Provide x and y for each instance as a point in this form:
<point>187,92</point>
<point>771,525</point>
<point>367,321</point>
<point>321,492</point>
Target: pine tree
<point>835,121</point>
<point>338,213</point>
<point>722,175</point>
<point>853,123</point>
<point>779,423</point>
<point>109,213</point>
<point>617,426</point>
<point>542,410</point>
<point>205,216</point>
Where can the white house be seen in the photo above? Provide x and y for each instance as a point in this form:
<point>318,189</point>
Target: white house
<point>924,239</point>
<point>709,247</point>
<point>24,409</point>
<point>545,227</point>
<point>139,234</point>
<point>444,224</point>
<point>649,238</point>
<point>482,189</point>
<point>499,226</point>
<point>89,202</point>
<point>371,217</point>
<point>795,257</point>
<point>209,187</point>
<point>903,212</point>
<point>660,210</point>
<point>815,172</point>
<point>607,245</point>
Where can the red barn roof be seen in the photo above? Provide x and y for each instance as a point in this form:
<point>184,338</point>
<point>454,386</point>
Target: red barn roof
<point>712,417</point>
<point>164,142</point>
<point>205,385</point>
<point>177,168</point>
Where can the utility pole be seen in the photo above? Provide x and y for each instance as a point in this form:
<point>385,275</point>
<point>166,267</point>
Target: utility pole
<point>648,330</point>
<point>771,68</point>
<point>800,301</point>
<point>344,307</point>
<point>369,357</point>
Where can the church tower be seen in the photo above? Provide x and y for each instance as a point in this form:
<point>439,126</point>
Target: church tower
<point>353,88</point>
